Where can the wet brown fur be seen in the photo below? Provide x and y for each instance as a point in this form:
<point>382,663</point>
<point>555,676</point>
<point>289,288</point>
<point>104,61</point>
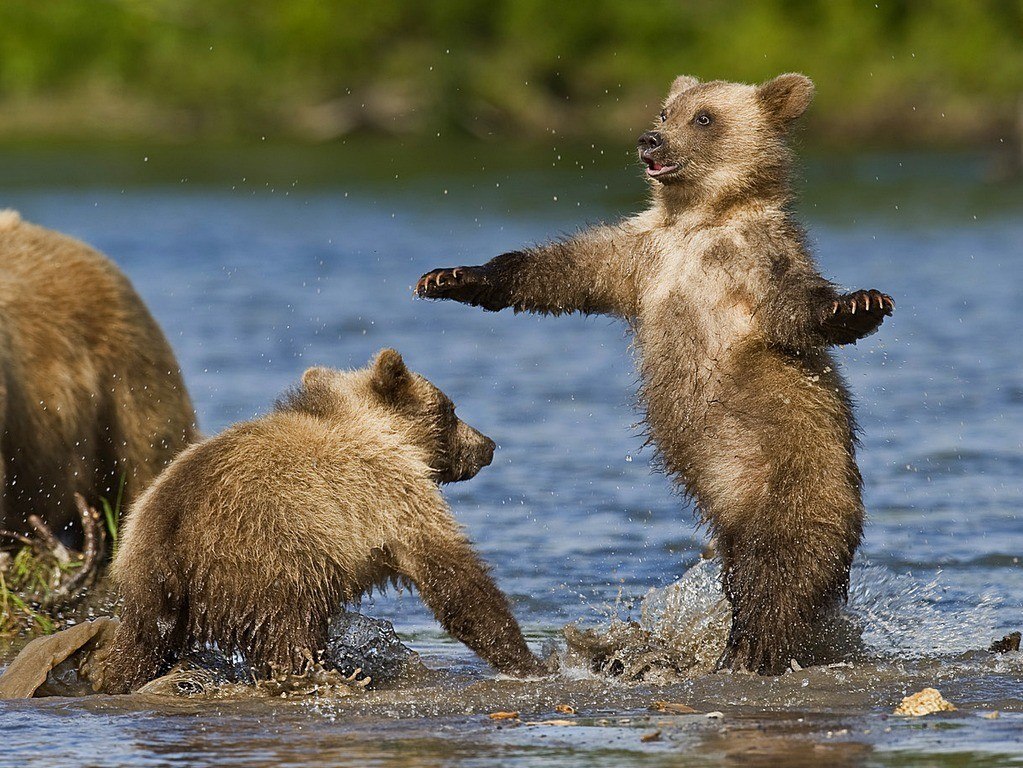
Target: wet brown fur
<point>252,539</point>
<point>89,387</point>
<point>732,322</point>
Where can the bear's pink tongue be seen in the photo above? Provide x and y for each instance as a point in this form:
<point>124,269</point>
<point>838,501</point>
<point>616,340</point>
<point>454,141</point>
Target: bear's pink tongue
<point>656,167</point>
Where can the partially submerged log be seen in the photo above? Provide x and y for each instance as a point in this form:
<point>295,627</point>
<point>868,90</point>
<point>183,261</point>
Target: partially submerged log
<point>27,675</point>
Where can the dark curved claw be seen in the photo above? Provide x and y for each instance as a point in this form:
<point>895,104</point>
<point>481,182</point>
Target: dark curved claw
<point>468,285</point>
<point>856,315</point>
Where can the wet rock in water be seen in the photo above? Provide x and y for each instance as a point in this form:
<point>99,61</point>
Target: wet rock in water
<point>186,680</point>
<point>926,702</point>
<point>358,642</point>
<point>1007,644</point>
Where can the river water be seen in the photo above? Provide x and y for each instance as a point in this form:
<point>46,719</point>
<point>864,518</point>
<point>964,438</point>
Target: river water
<point>269,262</point>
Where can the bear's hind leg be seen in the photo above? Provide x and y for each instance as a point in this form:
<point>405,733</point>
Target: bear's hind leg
<point>781,586</point>
<point>142,649</point>
<point>280,634</point>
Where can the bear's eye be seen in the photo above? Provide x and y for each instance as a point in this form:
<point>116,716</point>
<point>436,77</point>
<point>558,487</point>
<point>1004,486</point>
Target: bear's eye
<point>703,118</point>
<point>664,115</point>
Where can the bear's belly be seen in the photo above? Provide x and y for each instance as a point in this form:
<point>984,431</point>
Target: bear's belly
<point>724,416</point>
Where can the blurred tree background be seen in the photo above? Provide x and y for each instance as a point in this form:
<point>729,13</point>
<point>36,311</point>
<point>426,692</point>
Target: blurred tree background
<point>891,71</point>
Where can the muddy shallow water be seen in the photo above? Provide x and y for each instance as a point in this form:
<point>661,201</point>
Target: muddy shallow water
<point>254,282</point>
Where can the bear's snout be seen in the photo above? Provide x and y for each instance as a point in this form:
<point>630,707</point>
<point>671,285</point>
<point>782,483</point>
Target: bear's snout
<point>487,453</point>
<point>649,141</point>
<point>477,452</point>
<point>471,451</point>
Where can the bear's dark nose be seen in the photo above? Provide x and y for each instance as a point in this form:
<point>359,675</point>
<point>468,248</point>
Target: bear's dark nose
<point>649,140</point>
<point>487,455</point>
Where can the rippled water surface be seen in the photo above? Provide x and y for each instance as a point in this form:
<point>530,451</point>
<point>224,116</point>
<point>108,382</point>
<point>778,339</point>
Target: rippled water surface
<point>258,272</point>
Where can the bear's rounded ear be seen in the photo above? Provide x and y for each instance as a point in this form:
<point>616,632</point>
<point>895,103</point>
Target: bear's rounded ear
<point>682,84</point>
<point>390,376</point>
<point>786,97</point>
<point>315,375</point>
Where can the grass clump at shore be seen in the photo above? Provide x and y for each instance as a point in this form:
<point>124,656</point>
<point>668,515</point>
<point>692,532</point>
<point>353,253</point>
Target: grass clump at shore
<point>25,580</point>
<point>42,577</point>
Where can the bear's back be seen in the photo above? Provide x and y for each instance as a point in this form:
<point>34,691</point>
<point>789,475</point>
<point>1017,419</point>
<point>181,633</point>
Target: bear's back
<point>287,501</point>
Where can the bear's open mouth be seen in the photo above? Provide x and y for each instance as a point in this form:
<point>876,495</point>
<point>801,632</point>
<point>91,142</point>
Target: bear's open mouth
<point>654,168</point>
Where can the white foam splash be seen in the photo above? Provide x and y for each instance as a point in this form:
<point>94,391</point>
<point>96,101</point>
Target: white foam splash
<point>899,615</point>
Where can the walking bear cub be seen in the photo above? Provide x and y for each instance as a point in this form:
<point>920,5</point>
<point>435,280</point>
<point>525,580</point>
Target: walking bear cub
<point>90,391</point>
<point>732,322</point>
<point>252,539</point>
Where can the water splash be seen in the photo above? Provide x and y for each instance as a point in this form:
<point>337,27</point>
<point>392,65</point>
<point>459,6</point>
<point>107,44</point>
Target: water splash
<point>683,627</point>
<point>681,633</point>
<point>902,616</point>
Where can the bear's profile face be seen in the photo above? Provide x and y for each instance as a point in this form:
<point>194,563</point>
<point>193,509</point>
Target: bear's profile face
<point>456,450</point>
<point>420,411</point>
<point>719,137</point>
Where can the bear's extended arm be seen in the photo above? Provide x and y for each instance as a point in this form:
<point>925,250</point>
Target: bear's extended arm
<point>456,586</point>
<point>805,311</point>
<point>589,273</point>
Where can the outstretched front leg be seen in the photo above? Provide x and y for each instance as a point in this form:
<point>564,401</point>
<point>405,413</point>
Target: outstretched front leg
<point>856,315</point>
<point>457,587</point>
<point>593,272</point>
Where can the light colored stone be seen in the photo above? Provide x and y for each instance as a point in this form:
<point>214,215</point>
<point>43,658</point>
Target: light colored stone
<point>926,702</point>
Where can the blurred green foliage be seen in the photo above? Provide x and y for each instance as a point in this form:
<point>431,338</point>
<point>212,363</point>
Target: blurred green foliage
<point>912,69</point>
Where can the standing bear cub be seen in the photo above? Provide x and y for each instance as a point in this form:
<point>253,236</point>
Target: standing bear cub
<point>732,322</point>
<point>252,539</point>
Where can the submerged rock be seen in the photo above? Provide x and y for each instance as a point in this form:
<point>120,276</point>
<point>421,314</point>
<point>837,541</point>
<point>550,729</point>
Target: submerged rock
<point>358,642</point>
<point>187,680</point>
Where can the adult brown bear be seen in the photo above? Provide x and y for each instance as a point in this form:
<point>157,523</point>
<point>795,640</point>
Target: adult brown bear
<point>90,391</point>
